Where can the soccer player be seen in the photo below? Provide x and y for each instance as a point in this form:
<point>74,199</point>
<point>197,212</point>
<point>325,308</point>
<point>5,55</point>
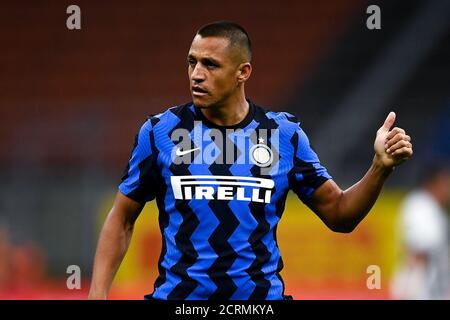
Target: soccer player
<point>220,168</point>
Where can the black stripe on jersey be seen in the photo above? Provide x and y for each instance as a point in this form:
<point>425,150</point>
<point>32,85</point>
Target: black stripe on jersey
<point>188,253</point>
<point>262,255</point>
<point>280,205</point>
<point>190,221</point>
<point>271,124</point>
<point>219,238</point>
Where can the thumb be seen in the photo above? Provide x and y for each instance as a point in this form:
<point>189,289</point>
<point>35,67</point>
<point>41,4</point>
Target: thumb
<point>388,122</point>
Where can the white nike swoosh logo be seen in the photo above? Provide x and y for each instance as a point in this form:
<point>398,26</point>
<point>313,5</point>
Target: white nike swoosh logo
<point>180,153</point>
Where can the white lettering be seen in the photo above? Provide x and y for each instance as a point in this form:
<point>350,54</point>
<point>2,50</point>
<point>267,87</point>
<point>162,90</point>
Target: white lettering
<point>240,195</point>
<point>269,309</point>
<point>255,196</point>
<point>204,193</point>
<point>225,193</point>
<point>228,188</point>
<point>192,310</point>
<point>268,196</point>
<point>187,193</point>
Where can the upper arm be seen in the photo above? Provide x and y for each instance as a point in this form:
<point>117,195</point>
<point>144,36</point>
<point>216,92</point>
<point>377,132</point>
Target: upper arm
<point>324,203</point>
<point>125,209</point>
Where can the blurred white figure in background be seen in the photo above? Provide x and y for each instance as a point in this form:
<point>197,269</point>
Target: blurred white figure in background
<point>424,229</point>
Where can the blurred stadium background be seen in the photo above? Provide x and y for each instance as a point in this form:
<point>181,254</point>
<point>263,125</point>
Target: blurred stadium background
<point>72,101</point>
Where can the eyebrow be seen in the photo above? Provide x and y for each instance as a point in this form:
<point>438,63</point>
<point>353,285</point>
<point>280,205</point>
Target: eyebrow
<point>191,56</point>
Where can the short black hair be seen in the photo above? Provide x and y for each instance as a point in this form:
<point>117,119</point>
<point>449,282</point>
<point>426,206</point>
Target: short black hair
<point>232,31</point>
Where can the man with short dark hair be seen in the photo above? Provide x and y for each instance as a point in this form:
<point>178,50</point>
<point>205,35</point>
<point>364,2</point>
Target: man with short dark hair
<point>220,168</point>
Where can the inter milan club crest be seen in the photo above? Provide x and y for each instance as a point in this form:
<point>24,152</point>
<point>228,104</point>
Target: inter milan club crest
<point>261,155</point>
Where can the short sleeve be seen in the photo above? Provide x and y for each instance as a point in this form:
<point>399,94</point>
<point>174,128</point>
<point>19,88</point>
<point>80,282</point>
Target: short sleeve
<point>307,173</point>
<point>139,180</point>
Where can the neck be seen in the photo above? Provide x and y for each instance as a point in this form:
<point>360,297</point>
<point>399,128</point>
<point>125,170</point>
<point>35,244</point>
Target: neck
<point>228,114</point>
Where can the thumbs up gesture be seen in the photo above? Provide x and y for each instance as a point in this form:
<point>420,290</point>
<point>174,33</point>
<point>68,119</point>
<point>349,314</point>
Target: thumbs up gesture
<point>392,147</point>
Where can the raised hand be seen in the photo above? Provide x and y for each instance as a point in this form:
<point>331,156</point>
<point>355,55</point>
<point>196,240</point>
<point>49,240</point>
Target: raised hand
<point>392,147</point>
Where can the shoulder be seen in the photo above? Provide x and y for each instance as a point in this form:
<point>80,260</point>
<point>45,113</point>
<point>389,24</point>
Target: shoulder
<point>170,117</point>
<point>281,118</point>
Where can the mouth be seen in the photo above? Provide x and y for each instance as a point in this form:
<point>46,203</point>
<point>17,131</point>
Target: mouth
<point>198,91</point>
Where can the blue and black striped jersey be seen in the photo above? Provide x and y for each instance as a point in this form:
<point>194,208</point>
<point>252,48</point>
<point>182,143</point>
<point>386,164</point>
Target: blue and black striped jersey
<point>220,192</point>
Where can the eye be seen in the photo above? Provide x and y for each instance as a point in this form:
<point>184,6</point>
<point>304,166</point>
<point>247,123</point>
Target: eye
<point>210,65</point>
<point>191,62</point>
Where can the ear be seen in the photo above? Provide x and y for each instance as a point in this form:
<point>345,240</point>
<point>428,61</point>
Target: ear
<point>244,72</point>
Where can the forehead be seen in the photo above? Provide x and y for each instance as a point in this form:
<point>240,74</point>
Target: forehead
<point>212,47</point>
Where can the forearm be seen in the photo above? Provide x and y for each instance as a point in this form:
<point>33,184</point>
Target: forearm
<point>341,210</point>
<point>113,244</point>
<point>355,202</point>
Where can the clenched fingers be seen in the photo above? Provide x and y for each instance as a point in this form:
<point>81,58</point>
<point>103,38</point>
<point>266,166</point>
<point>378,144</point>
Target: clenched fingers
<point>403,153</point>
<point>394,132</point>
<point>399,140</point>
<point>399,145</point>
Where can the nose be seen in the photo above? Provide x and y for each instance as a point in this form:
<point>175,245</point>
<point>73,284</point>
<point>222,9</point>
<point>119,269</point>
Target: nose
<point>198,74</point>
